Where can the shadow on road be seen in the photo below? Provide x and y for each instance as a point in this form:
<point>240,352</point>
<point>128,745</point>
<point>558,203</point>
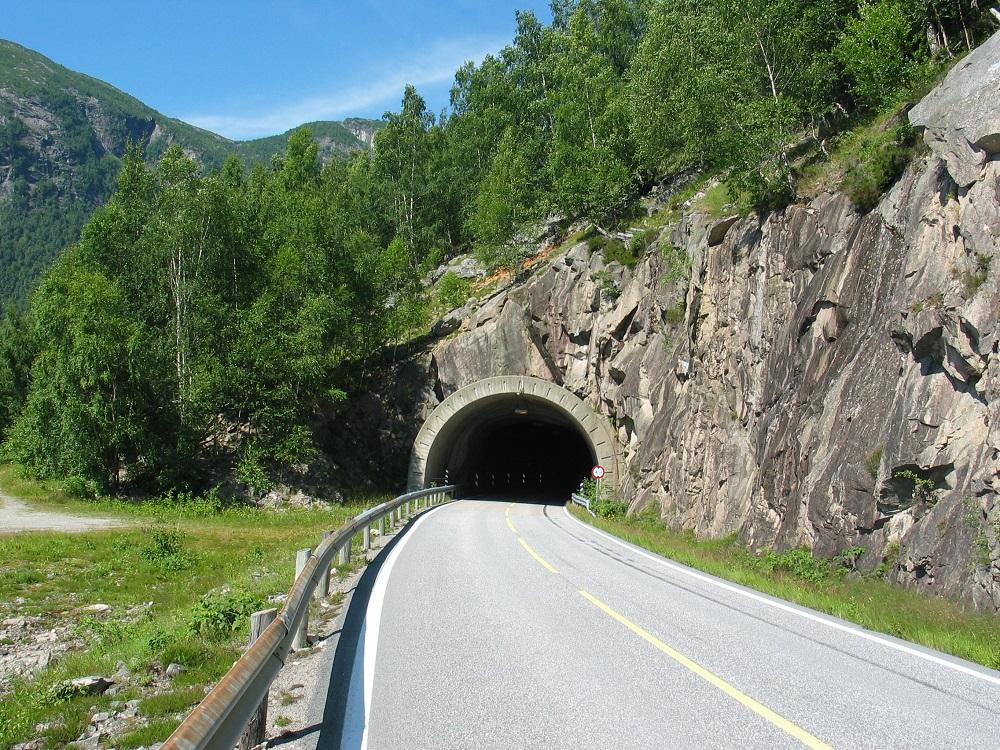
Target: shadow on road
<point>336,706</point>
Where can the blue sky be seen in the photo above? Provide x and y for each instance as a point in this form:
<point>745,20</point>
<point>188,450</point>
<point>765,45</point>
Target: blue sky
<point>258,67</point>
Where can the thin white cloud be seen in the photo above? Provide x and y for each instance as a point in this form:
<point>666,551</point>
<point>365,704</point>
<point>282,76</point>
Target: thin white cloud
<point>435,66</point>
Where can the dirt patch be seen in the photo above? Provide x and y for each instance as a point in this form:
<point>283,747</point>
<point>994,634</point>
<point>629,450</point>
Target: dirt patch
<point>16,515</point>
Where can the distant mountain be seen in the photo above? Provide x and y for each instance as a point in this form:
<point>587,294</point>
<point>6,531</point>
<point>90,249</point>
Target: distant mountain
<point>62,135</point>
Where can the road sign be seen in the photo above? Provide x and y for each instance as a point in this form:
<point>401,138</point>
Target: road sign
<point>597,472</point>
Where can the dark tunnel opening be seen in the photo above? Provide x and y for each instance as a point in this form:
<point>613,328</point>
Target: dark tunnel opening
<point>527,457</point>
<point>514,447</point>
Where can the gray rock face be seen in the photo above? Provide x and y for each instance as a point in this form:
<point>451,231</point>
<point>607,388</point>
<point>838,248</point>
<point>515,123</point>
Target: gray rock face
<point>790,389</point>
<point>960,118</point>
<point>809,377</point>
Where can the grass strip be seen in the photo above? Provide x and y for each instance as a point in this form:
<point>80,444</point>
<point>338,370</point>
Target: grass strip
<point>180,581</point>
<point>829,586</point>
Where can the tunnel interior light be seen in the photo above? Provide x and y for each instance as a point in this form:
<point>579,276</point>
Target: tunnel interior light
<point>521,411</point>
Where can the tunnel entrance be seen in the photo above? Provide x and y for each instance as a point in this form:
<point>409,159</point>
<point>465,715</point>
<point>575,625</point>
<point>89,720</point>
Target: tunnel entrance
<point>526,453</point>
<point>516,435</point>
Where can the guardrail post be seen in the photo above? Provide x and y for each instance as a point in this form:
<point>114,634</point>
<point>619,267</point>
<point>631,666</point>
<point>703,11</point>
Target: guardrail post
<point>301,639</point>
<point>366,538</point>
<point>344,553</point>
<point>384,525</point>
<point>323,587</point>
<point>253,735</point>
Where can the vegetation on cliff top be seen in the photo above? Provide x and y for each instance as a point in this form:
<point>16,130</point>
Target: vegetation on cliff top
<point>205,319</point>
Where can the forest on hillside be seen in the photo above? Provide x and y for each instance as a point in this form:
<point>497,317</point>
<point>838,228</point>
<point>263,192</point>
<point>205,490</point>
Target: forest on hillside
<point>205,319</point>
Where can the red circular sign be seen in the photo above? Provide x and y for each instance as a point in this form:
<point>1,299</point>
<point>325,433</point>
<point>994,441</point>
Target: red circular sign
<point>597,472</point>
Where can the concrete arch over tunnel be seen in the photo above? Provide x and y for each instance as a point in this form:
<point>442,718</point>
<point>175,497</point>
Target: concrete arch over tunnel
<point>543,435</point>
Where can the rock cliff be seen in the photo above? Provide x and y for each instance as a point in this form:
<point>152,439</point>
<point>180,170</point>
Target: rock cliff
<point>814,376</point>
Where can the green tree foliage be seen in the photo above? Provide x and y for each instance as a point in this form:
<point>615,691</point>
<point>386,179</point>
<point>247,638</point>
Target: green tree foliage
<point>727,84</point>
<point>211,315</point>
<point>505,200</point>
<point>196,306</point>
<point>591,153</point>
<point>17,350</point>
<point>881,49</point>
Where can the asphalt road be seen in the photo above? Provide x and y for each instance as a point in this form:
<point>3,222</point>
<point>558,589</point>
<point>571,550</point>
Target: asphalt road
<point>498,625</point>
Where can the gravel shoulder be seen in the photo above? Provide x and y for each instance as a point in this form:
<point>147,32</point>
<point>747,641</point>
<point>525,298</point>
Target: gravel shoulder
<point>16,516</point>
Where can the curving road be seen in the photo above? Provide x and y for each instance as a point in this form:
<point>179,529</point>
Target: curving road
<point>498,625</point>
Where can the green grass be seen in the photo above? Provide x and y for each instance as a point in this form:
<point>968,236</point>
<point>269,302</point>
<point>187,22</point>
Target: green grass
<point>716,201</point>
<point>170,556</point>
<point>824,585</point>
<point>863,161</point>
<point>156,731</point>
<point>165,704</point>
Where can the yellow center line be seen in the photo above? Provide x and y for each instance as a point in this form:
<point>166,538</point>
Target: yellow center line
<point>537,556</point>
<point>507,516</point>
<point>779,721</point>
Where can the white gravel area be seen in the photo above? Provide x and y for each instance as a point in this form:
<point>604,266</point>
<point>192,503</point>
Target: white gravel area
<point>16,515</point>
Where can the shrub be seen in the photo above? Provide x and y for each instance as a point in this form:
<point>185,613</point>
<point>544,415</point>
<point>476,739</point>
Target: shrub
<point>849,557</point>
<point>641,242</point>
<point>616,252</point>
<point>164,548</point>
<point>251,473</point>
<point>81,487</point>
<point>873,461</point>
<point>605,506</point>
<point>220,613</point>
<point>675,314</point>
<point>972,280</point>
<point>607,284</point>
<point>879,163</point>
<point>798,562</point>
<point>923,488</point>
<point>453,291</point>
<point>610,507</point>
<point>677,264</point>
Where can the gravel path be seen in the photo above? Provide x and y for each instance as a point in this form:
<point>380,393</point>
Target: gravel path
<point>16,515</point>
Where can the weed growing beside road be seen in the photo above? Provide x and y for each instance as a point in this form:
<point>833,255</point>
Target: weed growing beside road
<point>826,585</point>
<point>179,584</point>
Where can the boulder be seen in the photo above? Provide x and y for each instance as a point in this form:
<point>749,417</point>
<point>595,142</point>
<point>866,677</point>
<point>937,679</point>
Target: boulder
<point>960,119</point>
<point>91,685</point>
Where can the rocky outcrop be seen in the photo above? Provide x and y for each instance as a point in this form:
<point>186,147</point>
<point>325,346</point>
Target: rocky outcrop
<point>811,377</point>
<point>960,119</point>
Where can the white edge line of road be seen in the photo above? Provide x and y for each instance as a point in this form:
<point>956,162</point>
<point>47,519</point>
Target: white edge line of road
<point>827,620</point>
<point>367,648</point>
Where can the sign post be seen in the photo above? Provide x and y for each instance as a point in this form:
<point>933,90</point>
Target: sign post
<point>598,474</point>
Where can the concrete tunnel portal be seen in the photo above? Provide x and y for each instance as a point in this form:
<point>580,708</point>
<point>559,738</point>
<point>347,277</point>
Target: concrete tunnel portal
<point>516,435</point>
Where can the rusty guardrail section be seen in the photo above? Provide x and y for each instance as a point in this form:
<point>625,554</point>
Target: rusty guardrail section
<point>218,721</point>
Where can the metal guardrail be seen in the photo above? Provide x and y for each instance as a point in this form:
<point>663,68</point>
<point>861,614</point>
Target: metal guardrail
<point>218,721</point>
<point>581,500</point>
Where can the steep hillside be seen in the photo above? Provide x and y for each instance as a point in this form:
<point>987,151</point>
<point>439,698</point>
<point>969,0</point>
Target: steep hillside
<point>814,376</point>
<point>62,134</point>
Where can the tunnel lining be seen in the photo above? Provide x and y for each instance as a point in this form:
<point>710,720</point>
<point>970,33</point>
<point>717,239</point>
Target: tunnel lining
<point>488,400</point>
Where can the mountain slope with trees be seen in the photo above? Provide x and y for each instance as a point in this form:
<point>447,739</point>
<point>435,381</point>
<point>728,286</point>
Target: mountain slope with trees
<point>208,318</point>
<point>62,138</point>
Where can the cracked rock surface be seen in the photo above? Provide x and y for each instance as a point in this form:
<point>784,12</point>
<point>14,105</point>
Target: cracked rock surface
<point>809,377</point>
